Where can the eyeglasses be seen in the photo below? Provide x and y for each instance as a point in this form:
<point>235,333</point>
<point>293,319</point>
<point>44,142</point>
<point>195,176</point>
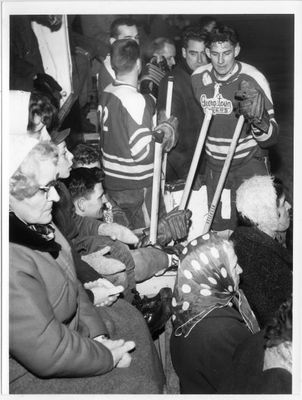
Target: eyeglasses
<point>46,189</point>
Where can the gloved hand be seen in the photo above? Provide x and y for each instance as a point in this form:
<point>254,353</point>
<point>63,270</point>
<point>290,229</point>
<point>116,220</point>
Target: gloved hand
<point>103,265</point>
<point>119,350</point>
<point>104,292</point>
<point>170,128</point>
<point>174,226</point>
<point>251,105</point>
<point>152,74</point>
<point>118,232</point>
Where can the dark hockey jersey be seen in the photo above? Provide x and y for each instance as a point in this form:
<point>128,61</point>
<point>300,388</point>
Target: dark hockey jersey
<point>218,95</point>
<point>126,139</point>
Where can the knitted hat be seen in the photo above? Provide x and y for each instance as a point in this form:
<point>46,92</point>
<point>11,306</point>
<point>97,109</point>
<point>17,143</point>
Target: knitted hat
<point>19,147</point>
<point>19,103</point>
<point>256,199</point>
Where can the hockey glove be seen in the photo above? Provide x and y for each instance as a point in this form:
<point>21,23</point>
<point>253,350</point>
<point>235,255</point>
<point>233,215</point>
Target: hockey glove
<point>152,74</point>
<point>174,226</point>
<point>169,127</point>
<point>251,106</point>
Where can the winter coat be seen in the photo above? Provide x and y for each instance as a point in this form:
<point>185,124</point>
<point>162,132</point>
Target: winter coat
<point>52,323</point>
<point>190,117</point>
<point>202,359</point>
<point>267,271</point>
<point>247,375</point>
<point>52,320</point>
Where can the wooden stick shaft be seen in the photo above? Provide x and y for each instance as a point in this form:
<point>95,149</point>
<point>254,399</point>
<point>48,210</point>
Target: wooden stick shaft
<point>195,159</point>
<point>223,175</point>
<point>168,114</point>
<point>155,192</point>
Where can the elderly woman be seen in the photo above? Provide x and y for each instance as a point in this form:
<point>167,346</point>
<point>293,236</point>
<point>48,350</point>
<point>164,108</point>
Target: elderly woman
<point>211,315</point>
<point>267,265</point>
<point>58,340</point>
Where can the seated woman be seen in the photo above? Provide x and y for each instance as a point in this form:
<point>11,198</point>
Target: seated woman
<point>59,342</point>
<point>263,363</point>
<point>211,315</point>
<point>267,265</point>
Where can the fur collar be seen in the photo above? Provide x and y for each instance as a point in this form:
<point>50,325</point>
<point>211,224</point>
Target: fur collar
<point>21,234</point>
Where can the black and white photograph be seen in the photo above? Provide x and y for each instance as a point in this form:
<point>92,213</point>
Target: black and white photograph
<point>151,198</point>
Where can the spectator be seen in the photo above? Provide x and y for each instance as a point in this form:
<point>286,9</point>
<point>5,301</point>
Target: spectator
<point>101,250</point>
<point>263,363</point>
<point>164,48</point>
<point>267,265</point>
<point>85,187</point>
<point>184,106</point>
<point>211,315</point>
<point>59,343</point>
<point>229,87</point>
<point>85,156</point>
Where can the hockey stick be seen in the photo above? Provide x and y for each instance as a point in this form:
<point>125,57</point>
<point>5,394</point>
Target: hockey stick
<point>223,175</point>
<point>195,159</point>
<point>158,137</point>
<point>168,114</point>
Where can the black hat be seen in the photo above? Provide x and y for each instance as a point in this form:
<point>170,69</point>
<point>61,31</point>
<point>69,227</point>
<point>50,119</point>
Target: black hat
<point>59,136</point>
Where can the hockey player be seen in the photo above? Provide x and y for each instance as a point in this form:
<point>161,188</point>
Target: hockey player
<point>126,141</point>
<point>229,87</point>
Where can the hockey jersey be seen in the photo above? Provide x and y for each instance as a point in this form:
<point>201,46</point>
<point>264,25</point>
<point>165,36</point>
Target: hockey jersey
<point>126,138</point>
<point>218,96</point>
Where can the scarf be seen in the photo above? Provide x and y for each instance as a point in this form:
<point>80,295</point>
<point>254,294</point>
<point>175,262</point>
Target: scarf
<point>35,236</point>
<point>205,282</point>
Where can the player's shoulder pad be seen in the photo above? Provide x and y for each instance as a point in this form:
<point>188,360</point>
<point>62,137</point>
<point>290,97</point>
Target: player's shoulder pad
<point>202,69</point>
<point>258,77</point>
<point>133,101</point>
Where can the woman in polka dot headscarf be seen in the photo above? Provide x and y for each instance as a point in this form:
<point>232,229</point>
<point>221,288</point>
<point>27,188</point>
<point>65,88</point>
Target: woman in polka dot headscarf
<point>207,298</point>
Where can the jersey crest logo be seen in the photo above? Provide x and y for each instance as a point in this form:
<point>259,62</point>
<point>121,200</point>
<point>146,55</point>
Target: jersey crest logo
<point>217,104</point>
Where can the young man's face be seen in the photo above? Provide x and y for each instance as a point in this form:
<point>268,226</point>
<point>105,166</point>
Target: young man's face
<point>93,206</point>
<point>128,32</point>
<point>222,56</point>
<point>194,54</point>
<point>64,161</point>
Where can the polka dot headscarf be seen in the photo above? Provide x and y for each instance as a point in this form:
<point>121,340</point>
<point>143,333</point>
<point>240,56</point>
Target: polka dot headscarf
<point>205,282</point>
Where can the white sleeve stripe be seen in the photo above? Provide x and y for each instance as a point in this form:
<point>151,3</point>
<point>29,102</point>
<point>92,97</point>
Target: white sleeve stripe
<point>144,155</point>
<point>140,146</point>
<point>129,169</point>
<point>138,132</point>
<point>127,177</point>
<point>265,136</point>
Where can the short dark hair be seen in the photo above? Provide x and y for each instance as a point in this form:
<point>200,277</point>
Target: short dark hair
<point>279,330</point>
<point>222,33</point>
<point>84,155</point>
<point>124,54</point>
<point>114,28</point>
<point>82,181</point>
<point>41,105</point>
<point>192,33</point>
